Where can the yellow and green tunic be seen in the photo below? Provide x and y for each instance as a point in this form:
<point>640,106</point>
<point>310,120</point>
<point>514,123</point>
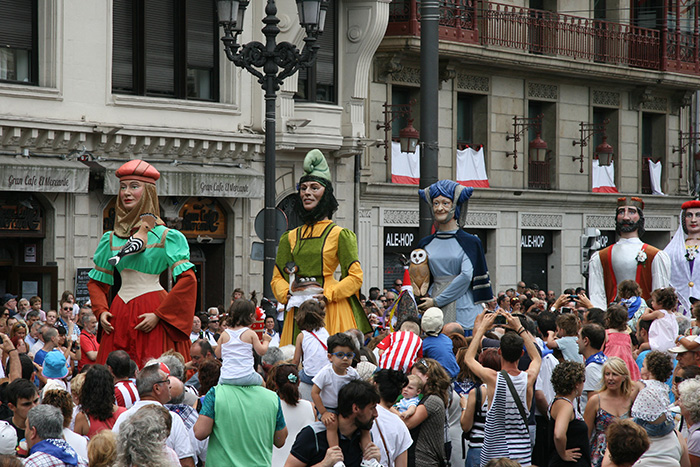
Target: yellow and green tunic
<point>318,250</point>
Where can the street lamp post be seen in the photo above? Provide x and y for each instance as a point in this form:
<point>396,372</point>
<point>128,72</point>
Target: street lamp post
<point>271,63</point>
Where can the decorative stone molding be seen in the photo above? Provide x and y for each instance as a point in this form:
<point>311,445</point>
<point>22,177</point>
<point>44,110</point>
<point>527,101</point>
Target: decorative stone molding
<point>409,218</point>
<point>473,82</point>
<point>386,66</point>
<point>481,219</point>
<point>542,91</point>
<point>541,221</point>
<point>657,223</point>
<point>600,222</point>
<point>681,99</point>
<point>639,96</point>
<point>606,98</point>
<point>400,217</point>
<point>656,103</point>
<point>407,75</point>
<point>364,213</point>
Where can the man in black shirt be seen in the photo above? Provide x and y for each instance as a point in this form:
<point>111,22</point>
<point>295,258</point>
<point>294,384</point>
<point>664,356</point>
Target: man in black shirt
<point>357,409</point>
<point>22,395</point>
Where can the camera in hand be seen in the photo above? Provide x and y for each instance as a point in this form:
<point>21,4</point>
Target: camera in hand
<point>566,309</point>
<point>573,297</point>
<point>500,319</point>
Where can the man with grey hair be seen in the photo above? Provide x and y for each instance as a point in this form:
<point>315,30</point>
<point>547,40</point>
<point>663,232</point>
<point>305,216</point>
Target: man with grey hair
<point>44,435</point>
<point>153,385</point>
<point>88,340</point>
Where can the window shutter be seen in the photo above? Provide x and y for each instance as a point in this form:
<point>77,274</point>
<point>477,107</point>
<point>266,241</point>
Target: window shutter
<point>16,23</point>
<point>325,60</point>
<point>160,47</point>
<point>200,34</point>
<point>123,45</point>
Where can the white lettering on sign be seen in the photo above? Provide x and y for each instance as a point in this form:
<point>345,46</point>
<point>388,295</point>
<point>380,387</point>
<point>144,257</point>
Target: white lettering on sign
<point>223,188</point>
<point>34,181</point>
<point>532,241</point>
<point>399,239</point>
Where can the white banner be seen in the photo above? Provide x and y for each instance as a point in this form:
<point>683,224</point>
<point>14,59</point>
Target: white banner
<point>37,174</point>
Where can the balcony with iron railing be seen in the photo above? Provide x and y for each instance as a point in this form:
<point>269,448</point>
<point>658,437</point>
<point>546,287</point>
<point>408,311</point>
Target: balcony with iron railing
<point>545,33</point>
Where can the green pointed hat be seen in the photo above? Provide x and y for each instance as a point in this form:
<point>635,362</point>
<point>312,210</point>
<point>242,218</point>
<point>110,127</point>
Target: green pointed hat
<point>316,168</point>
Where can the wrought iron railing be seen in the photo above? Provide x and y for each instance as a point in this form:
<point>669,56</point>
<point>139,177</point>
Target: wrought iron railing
<point>547,33</point>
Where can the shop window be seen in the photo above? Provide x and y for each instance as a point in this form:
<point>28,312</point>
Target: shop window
<point>318,83</point>
<point>165,48</point>
<point>18,41</point>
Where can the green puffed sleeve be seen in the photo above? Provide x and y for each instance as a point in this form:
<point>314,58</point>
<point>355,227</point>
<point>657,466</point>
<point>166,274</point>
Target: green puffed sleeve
<point>347,251</point>
<point>178,252</point>
<point>103,271</point>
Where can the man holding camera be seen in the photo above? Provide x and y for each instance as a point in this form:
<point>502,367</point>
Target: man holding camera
<point>629,258</point>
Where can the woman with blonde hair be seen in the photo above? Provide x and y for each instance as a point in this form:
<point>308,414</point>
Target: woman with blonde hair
<point>611,403</point>
<point>102,449</point>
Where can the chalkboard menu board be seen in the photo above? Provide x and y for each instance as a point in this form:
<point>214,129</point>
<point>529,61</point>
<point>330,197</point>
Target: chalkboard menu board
<point>81,281</point>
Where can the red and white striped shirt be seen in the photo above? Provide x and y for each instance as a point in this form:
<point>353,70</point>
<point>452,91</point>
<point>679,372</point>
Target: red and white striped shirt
<point>125,393</point>
<point>400,350</point>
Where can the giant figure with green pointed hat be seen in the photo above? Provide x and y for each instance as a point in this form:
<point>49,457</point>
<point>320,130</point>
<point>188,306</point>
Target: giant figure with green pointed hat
<point>309,255</point>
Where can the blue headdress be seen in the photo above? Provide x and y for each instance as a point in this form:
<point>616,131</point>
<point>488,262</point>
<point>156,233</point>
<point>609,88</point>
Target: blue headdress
<point>449,189</point>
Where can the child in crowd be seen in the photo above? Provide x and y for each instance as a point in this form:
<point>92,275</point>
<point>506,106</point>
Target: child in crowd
<point>650,408</point>
<point>630,296</point>
<point>311,348</point>
<point>406,406</point>
<point>664,326</point>
<point>567,340</point>
<point>619,343</point>
<point>437,345</point>
<point>327,384</point>
<point>237,344</point>
<point>400,349</point>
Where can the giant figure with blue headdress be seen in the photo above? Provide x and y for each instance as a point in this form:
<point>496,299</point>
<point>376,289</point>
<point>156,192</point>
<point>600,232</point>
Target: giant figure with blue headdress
<point>460,276</point>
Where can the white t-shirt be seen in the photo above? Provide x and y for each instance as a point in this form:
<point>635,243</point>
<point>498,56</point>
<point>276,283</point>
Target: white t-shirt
<point>544,382</point>
<point>296,417</point>
<point>315,355</point>
<point>663,332</point>
<point>330,384</point>
<point>179,440</point>
<point>394,433</point>
<point>77,442</point>
<point>594,376</point>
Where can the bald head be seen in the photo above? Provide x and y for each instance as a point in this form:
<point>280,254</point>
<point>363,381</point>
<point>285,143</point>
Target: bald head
<point>452,328</point>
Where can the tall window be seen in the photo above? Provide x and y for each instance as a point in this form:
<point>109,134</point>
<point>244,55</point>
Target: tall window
<point>318,82</point>
<point>165,48</point>
<point>465,120</point>
<point>18,41</point>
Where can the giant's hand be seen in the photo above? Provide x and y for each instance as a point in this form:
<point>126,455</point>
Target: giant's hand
<point>148,322</point>
<point>104,322</point>
<point>426,302</point>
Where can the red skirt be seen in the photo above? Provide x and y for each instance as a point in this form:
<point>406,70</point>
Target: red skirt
<point>141,346</point>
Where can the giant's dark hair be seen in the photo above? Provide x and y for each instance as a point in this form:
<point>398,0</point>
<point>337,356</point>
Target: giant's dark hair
<point>326,206</point>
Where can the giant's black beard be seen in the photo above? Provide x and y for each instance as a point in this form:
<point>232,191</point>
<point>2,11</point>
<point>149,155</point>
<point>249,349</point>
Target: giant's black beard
<point>627,227</point>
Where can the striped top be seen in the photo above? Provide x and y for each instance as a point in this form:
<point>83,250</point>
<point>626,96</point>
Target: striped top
<point>400,351</point>
<point>476,434</point>
<point>505,433</point>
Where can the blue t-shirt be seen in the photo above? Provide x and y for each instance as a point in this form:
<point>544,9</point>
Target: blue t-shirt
<point>440,348</point>
<point>40,356</point>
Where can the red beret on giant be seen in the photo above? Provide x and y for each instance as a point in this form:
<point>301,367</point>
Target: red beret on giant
<point>693,203</point>
<point>138,170</point>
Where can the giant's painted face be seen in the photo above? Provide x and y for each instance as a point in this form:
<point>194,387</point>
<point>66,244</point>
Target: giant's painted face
<point>691,219</point>
<point>442,209</point>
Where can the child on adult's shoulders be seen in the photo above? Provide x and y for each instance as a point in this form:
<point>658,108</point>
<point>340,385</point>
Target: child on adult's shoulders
<point>567,337</point>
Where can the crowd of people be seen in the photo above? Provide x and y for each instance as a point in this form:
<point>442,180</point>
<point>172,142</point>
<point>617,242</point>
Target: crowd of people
<point>544,379</point>
<point>442,372</point>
